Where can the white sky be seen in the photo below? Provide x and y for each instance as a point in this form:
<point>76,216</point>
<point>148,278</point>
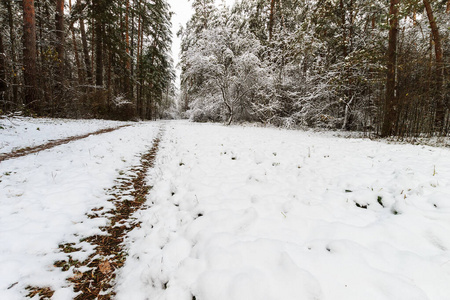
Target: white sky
<point>182,13</point>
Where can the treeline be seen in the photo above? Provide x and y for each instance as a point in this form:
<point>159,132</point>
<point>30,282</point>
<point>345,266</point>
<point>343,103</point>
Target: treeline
<point>379,66</point>
<point>86,58</point>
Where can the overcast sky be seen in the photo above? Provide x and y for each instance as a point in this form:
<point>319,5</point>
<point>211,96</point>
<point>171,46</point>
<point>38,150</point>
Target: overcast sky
<point>182,13</point>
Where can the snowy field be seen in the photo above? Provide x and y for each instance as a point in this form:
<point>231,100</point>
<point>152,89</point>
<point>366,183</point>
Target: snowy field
<point>20,132</point>
<point>237,213</point>
<point>253,213</point>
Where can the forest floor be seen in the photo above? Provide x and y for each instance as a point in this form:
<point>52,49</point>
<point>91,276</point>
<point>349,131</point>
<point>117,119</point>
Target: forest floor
<point>178,210</point>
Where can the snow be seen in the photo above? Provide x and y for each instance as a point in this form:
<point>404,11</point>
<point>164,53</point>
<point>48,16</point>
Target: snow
<point>45,198</point>
<point>236,213</point>
<point>254,213</point>
<point>20,132</point>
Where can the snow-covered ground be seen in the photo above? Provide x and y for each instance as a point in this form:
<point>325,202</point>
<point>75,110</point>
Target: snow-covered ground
<point>44,199</point>
<point>237,213</point>
<point>20,132</point>
<point>253,213</point>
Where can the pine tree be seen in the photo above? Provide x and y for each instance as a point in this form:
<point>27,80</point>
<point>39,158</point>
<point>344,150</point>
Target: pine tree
<point>3,84</point>
<point>29,56</point>
<point>440,109</point>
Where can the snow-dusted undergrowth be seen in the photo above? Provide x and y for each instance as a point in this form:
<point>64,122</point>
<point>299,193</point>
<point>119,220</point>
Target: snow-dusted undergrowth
<point>45,198</point>
<point>253,213</point>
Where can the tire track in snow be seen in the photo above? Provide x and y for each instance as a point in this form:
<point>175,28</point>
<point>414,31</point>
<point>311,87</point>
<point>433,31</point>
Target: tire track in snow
<point>30,150</point>
<point>94,277</point>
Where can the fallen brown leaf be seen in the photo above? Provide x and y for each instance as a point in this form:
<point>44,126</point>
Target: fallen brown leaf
<point>105,267</point>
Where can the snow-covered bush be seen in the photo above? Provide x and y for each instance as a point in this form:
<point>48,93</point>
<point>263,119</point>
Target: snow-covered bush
<point>227,72</point>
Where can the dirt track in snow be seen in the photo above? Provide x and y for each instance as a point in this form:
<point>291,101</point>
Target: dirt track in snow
<point>52,144</point>
<point>98,281</point>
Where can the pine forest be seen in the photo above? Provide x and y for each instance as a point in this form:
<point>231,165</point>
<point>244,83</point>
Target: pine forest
<point>371,66</point>
<point>225,149</point>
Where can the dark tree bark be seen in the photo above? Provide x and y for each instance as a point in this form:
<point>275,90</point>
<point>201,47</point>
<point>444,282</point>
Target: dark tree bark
<point>391,104</point>
<point>271,18</point>
<point>127,34</point>
<point>3,85</point>
<point>138,67</point>
<point>92,63</point>
<point>98,42</point>
<point>343,26</point>
<point>29,56</point>
<point>13,50</point>
<point>440,108</point>
<point>59,27</point>
<point>132,53</point>
<point>59,47</point>
<point>75,50</point>
<point>127,88</point>
<point>87,59</point>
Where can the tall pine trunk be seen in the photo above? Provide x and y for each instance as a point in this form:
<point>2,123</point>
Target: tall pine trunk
<point>391,105</point>
<point>439,101</point>
<point>13,51</point>
<point>343,27</point>
<point>271,18</point>
<point>75,50</point>
<point>59,26</point>
<point>59,31</point>
<point>87,59</point>
<point>3,85</point>
<point>132,54</point>
<point>29,56</point>
<point>98,43</point>
<point>139,106</point>
<point>126,78</point>
<point>127,34</point>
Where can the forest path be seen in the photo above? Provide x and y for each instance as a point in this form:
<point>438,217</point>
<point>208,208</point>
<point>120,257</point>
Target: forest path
<point>51,144</point>
<point>68,203</point>
<point>94,277</point>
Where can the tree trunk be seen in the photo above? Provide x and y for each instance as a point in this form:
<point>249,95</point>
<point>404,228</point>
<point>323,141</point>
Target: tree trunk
<point>75,50</point>
<point>391,104</point>
<point>126,77</point>
<point>132,55</point>
<point>59,30</point>
<point>344,31</point>
<point>29,55</point>
<point>127,35</point>
<point>109,74</point>
<point>440,109</point>
<point>271,18</point>
<point>92,63</point>
<point>3,85</point>
<point>59,26</point>
<point>139,106</point>
<point>98,43</point>
<point>351,29</point>
<point>87,59</point>
<point>13,51</point>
